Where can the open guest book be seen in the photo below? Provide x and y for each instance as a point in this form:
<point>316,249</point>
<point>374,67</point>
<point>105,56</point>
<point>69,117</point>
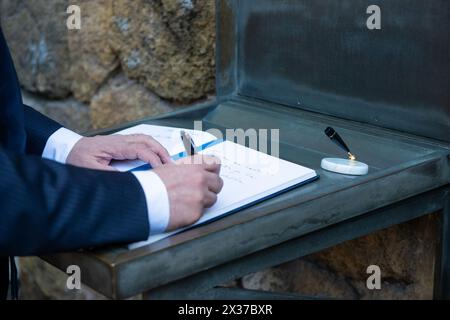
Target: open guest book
<point>249,176</point>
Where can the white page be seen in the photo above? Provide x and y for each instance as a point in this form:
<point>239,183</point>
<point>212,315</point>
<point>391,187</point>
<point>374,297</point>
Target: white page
<point>248,176</point>
<point>167,136</point>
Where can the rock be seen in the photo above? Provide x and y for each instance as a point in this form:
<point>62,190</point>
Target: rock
<point>39,280</point>
<point>301,276</point>
<point>37,36</point>
<point>92,58</point>
<point>404,253</point>
<point>168,45</point>
<point>123,100</point>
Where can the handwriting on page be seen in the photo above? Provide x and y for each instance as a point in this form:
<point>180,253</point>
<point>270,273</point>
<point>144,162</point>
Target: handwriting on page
<point>239,172</point>
<point>242,165</point>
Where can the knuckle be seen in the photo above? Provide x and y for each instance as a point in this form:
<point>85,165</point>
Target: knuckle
<point>221,183</point>
<point>215,161</point>
<point>132,137</point>
<point>213,199</point>
<point>198,197</point>
<point>141,139</point>
<point>149,140</point>
<point>199,179</point>
<point>194,217</point>
<point>135,147</point>
<point>202,179</point>
<point>198,214</point>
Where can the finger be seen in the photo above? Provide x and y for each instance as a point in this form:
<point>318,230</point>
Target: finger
<point>149,156</point>
<point>164,155</point>
<point>212,165</point>
<point>214,181</point>
<point>210,199</point>
<point>153,145</point>
<point>134,148</point>
<point>158,148</point>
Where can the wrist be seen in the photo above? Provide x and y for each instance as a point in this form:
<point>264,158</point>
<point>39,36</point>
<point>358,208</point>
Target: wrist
<point>60,144</point>
<point>157,199</point>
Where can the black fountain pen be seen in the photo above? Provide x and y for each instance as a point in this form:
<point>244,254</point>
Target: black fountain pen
<point>188,143</point>
<point>336,138</point>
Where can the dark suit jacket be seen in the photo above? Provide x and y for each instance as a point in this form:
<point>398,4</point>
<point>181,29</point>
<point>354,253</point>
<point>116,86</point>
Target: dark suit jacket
<point>47,207</point>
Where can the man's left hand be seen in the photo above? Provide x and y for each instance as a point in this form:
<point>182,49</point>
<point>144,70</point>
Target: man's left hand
<point>98,152</point>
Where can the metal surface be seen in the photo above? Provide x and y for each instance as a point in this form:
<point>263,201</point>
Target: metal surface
<point>402,167</point>
<point>320,56</point>
<point>263,69</point>
<point>198,286</point>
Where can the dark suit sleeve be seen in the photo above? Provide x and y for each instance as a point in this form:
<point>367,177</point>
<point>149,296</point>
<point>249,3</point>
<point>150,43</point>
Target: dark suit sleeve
<point>46,207</point>
<point>38,129</point>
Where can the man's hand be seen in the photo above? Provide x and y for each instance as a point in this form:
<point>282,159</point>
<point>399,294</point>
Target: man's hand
<point>98,152</point>
<point>192,185</point>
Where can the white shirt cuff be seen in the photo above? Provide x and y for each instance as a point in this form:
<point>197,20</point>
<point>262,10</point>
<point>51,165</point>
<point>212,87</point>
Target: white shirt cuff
<point>60,144</point>
<point>157,200</point>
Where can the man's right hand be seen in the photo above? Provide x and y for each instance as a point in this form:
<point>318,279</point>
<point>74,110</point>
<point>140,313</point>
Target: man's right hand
<point>192,185</point>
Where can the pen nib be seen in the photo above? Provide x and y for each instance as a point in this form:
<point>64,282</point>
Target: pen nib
<point>351,156</point>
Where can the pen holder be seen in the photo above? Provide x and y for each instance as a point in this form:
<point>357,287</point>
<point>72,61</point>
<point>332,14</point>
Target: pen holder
<point>345,166</point>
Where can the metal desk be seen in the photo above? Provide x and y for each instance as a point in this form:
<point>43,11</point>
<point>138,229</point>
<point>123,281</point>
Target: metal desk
<point>320,215</point>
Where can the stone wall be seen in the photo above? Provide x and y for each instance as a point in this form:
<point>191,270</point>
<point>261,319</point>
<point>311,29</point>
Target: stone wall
<point>405,254</point>
<point>137,58</point>
<point>130,59</point>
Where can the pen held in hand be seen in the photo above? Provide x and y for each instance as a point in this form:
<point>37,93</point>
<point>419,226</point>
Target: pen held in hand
<point>188,143</point>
